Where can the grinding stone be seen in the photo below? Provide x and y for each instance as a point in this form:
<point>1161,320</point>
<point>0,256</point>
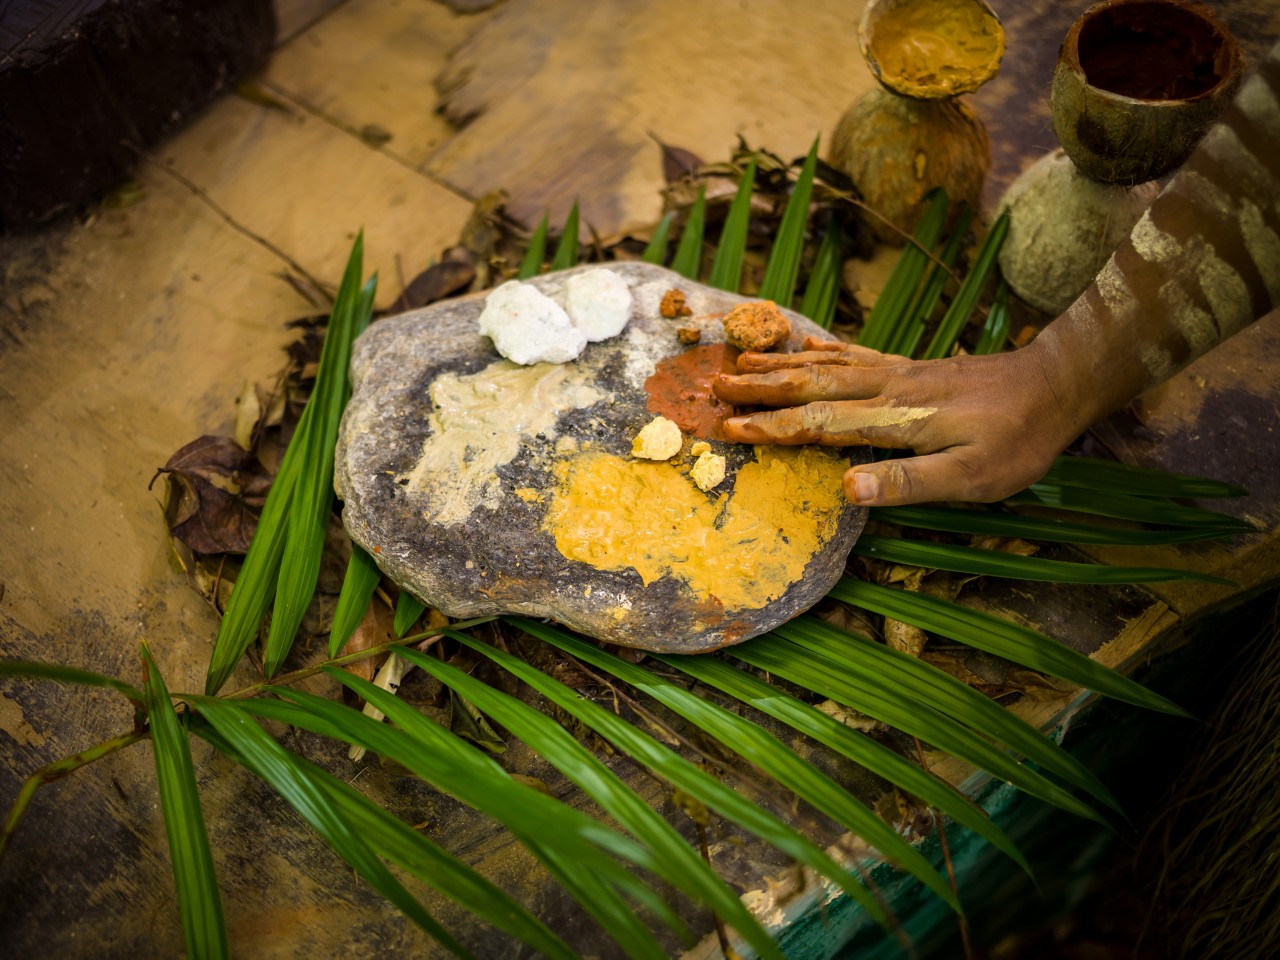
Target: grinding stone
<point>485,549</point>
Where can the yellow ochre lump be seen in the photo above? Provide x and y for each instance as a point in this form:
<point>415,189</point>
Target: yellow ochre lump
<point>659,439</point>
<point>708,472</point>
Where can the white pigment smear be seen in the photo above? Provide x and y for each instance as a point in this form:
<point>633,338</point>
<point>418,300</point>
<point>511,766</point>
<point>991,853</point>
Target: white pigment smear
<point>479,424</point>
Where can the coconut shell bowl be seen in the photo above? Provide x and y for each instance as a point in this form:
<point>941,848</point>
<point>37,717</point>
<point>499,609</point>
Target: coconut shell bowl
<point>913,133</point>
<point>1137,84</point>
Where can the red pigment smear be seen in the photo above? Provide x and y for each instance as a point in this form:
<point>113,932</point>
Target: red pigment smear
<point>680,390</point>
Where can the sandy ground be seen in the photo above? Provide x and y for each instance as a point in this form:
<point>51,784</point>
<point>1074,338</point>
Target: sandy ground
<point>125,333</point>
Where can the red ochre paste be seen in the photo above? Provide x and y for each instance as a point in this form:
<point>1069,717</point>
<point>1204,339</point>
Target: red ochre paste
<point>680,390</point>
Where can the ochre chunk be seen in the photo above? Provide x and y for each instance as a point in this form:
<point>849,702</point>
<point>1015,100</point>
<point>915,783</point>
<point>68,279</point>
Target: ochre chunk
<point>673,305</point>
<point>659,439</point>
<point>688,334</point>
<point>756,326</point>
<point>708,472</point>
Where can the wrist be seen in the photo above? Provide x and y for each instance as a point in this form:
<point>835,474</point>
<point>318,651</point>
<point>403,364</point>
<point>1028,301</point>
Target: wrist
<point>1064,396</point>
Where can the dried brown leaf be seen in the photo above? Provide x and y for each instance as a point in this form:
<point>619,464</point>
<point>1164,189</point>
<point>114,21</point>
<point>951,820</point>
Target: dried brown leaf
<point>849,717</point>
<point>904,637</point>
<point>677,162</point>
<point>435,283</point>
<point>1038,687</point>
<point>248,413</point>
<point>205,505</point>
<point>1014,546</point>
<point>374,630</point>
<point>466,721</point>
<point>852,619</point>
<point>533,782</point>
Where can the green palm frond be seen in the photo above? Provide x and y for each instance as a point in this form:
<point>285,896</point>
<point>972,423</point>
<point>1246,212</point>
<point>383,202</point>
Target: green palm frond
<point>395,841</point>
<point>852,744</point>
<point>305,473</point>
<point>656,250</point>
<point>995,563</point>
<point>971,288</point>
<point>927,684</point>
<point>408,609</point>
<point>536,252</point>
<point>311,505</point>
<point>890,308</point>
<point>995,332</point>
<point>980,522</point>
<point>726,269</point>
<point>358,585</point>
<point>203,925</point>
<point>680,865</point>
<point>906,334</point>
<point>1123,506</point>
<point>762,750</point>
<point>783,268</point>
<point>1136,481</point>
<point>578,850</point>
<point>823,288</point>
<point>567,249</point>
<point>64,674</point>
<point>253,747</point>
<point>688,258</point>
<point>678,771</point>
<point>870,695</point>
<point>1000,637</point>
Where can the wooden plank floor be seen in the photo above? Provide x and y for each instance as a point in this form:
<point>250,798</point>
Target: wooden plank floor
<point>130,331</point>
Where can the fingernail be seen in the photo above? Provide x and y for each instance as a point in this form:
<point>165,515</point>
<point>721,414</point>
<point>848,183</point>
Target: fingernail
<point>866,487</point>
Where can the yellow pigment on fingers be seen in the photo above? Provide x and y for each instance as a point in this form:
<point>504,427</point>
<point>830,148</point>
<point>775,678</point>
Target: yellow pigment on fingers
<point>743,549</point>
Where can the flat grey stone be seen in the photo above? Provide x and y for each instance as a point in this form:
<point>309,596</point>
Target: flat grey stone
<point>483,487</point>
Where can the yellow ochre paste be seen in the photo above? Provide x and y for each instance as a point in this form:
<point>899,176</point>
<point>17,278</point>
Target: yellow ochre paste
<point>937,48</point>
<point>744,548</point>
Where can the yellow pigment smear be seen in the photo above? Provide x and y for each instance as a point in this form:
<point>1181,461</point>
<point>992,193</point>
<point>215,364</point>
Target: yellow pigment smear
<point>743,549</point>
<point>936,49</point>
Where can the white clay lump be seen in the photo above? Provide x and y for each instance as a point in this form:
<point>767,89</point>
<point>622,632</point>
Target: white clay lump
<point>598,303</point>
<point>659,439</point>
<point>526,326</point>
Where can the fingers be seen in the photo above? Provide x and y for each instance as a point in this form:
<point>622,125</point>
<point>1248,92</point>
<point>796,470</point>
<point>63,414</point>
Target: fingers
<point>948,475</point>
<point>816,343</point>
<point>807,384</point>
<point>832,423</point>
<point>864,354</point>
<point>762,362</point>
<point>816,351</point>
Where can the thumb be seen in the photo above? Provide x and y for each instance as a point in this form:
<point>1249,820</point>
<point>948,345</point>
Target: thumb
<point>893,483</point>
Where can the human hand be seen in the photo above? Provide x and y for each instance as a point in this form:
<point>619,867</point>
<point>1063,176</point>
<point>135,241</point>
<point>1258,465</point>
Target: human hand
<point>982,427</point>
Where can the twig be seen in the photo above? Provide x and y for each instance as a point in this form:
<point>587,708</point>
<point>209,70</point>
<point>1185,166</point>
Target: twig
<point>217,585</point>
<point>896,229</point>
<point>229,220</point>
<point>721,936</point>
<point>57,770</point>
<point>946,859</point>
<point>286,679</point>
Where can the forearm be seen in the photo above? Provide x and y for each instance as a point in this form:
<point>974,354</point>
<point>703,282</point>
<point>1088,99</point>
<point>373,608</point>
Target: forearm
<point>1201,264</point>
